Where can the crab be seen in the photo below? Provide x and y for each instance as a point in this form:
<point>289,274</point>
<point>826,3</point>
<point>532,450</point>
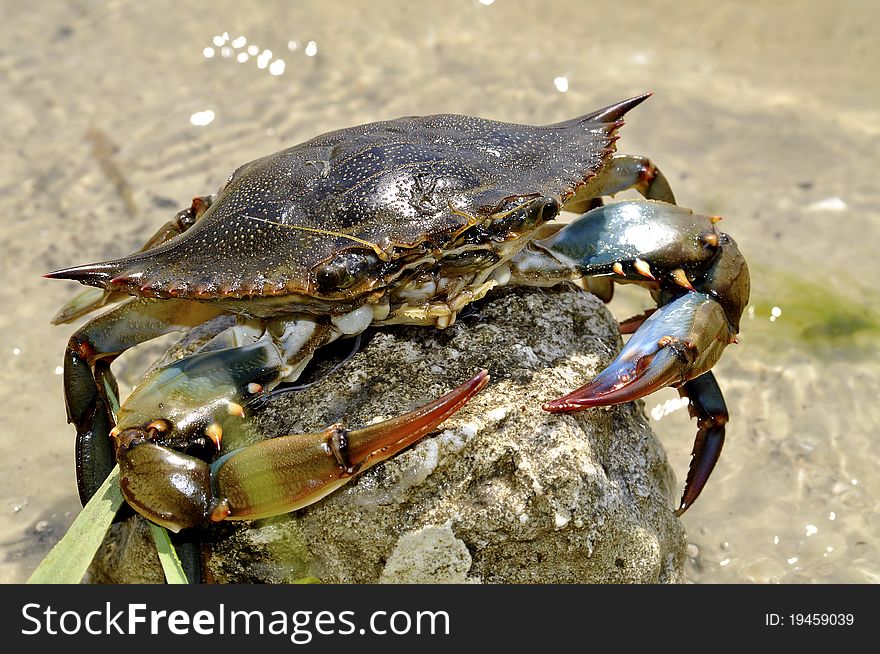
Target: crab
<point>406,221</point>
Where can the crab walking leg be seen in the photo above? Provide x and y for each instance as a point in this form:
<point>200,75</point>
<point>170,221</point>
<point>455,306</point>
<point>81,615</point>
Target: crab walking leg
<point>624,171</point>
<point>701,282</point>
<point>84,303</point>
<point>92,299</point>
<point>273,476</point>
<point>181,222</point>
<point>87,375</point>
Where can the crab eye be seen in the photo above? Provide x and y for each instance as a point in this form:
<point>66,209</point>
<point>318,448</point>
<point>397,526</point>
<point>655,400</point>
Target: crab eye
<point>343,271</point>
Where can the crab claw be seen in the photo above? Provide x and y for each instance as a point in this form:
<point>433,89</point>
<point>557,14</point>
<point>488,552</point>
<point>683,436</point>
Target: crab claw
<point>273,476</point>
<point>675,346</point>
<point>284,474</point>
<point>678,342</point>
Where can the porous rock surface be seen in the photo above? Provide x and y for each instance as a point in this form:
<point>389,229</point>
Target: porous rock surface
<point>503,492</point>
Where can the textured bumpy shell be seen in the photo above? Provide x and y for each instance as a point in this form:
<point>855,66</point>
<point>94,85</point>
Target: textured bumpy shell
<point>383,187</point>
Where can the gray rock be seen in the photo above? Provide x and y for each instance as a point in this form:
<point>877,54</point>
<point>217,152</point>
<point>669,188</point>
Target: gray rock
<point>503,492</point>
<point>128,555</point>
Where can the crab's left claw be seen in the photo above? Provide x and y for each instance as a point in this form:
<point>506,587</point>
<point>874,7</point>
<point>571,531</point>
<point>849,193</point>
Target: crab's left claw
<point>675,346</point>
<point>678,342</point>
<point>701,282</point>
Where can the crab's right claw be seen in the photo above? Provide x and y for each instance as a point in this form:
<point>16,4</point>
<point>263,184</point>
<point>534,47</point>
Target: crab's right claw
<point>678,342</point>
<point>273,476</point>
<point>280,475</point>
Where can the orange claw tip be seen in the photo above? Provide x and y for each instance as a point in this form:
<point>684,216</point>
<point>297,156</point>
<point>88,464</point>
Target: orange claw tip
<point>710,239</point>
<point>643,268</point>
<point>384,439</point>
<point>235,409</point>
<point>680,277</point>
<point>215,432</point>
<point>220,512</point>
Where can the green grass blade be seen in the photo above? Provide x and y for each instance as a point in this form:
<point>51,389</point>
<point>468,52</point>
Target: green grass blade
<point>174,573</point>
<point>111,397</point>
<point>67,562</point>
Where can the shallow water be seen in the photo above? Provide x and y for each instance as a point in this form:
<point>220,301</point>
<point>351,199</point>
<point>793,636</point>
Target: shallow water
<point>115,114</point>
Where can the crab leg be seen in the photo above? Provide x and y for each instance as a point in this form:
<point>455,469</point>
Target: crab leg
<point>284,474</point>
<point>680,341</point>
<point>173,423</point>
<point>708,407</point>
<point>623,172</point>
<point>273,476</point>
<point>87,375</point>
<point>701,283</point>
